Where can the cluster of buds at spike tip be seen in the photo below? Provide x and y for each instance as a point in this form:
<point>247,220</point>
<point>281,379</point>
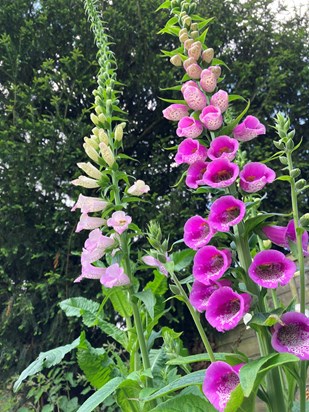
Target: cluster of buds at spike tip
<point>118,132</point>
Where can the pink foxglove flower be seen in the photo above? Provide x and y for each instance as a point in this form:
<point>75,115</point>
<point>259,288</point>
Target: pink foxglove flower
<point>89,223</point>
<point>194,71</point>
<point>114,276</point>
<point>195,50</point>
<point>220,380</point>
<point>216,70</point>
<point>254,176</point>
<point>270,268</point>
<point>88,204</point>
<point>201,293</point>
<point>220,173</point>
<point>95,246</point>
<point>211,117</point>
<point>226,308</point>
<point>175,112</point>
<point>208,81</point>
<point>151,261</point>
<point>119,221</point>
<point>223,147</point>
<point>90,272</point>
<point>138,188</point>
<point>220,100</point>
<point>226,212</point>
<point>197,232</point>
<point>195,174</point>
<point>189,83</point>
<point>293,335</point>
<point>194,98</point>
<point>249,129</point>
<point>190,151</point>
<point>282,235</point>
<point>189,127</point>
<point>210,264</point>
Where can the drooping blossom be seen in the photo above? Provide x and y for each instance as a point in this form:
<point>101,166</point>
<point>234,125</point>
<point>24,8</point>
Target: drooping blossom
<point>90,272</point>
<point>292,335</point>
<point>282,235</point>
<point>89,223</point>
<point>220,173</point>
<point>201,293</point>
<point>153,262</point>
<point>197,232</point>
<point>216,70</point>
<point>90,170</point>
<point>226,308</point>
<point>114,276</point>
<point>195,174</point>
<point>88,204</point>
<point>194,98</point>
<point>190,151</point>
<point>138,188</point>
<point>249,129</point>
<point>95,246</point>
<point>254,176</point>
<point>208,80</point>
<point>189,127</point>
<point>220,100</point>
<point>220,380</point>
<point>119,221</point>
<point>175,112</point>
<point>86,182</point>
<point>208,55</point>
<point>270,268</point>
<point>211,117</point>
<point>210,264</point>
<point>225,212</point>
<point>194,71</point>
<point>223,147</point>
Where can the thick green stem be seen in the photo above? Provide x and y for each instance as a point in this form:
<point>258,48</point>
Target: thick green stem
<point>196,318</point>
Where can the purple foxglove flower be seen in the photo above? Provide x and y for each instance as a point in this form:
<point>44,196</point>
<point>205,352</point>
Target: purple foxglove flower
<point>189,83</point>
<point>220,100</point>
<point>270,268</point>
<point>225,212</point>
<point>208,81</point>
<point>220,380</point>
<point>220,173</point>
<point>211,117</point>
<point>254,176</point>
<point>114,276</point>
<point>95,246</point>
<point>153,262</point>
<point>291,237</point>
<point>223,147</point>
<point>197,232</point>
<point>90,272</point>
<point>210,264</point>
<point>293,335</point>
<point>216,70</point>
<point>249,129</point>
<point>195,174</point>
<point>119,221</point>
<point>138,188</point>
<point>194,71</point>
<point>88,204</point>
<point>175,112</point>
<point>201,293</point>
<point>190,151</point>
<point>89,223</point>
<point>189,127</point>
<point>194,98</point>
<point>226,308</point>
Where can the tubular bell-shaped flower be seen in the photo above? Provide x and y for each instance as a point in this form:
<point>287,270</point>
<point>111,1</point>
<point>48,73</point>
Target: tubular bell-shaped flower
<point>254,176</point>
<point>197,232</point>
<point>138,188</point>
<point>190,151</point>
<point>223,147</point>
<point>89,223</point>
<point>220,173</point>
<point>249,129</point>
<point>210,264</point>
<point>194,98</point>
<point>220,380</point>
<point>270,268</point>
<point>226,212</point>
<point>292,335</point>
<point>88,204</point>
<point>200,293</point>
<point>211,117</point>
<point>220,100</point>
<point>119,221</point>
<point>86,182</point>
<point>195,174</point>
<point>153,262</point>
<point>114,276</point>
<point>189,127</point>
<point>226,308</point>
<point>95,246</point>
<point>90,272</point>
<point>208,81</point>
<point>175,112</point>
<point>194,71</point>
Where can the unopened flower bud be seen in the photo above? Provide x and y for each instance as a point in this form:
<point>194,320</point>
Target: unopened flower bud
<point>94,119</point>
<point>300,184</point>
<point>176,60</point>
<point>182,14</point>
<point>182,31</point>
<point>102,118</point>
<point>208,55</point>
<point>194,34</point>
<point>118,133</point>
<point>194,26</point>
<point>216,70</point>
<point>98,109</point>
<point>304,220</point>
<point>86,182</point>
<point>267,244</point>
<point>291,134</point>
<point>295,173</point>
<point>91,152</point>
<point>107,154</point>
<point>90,170</point>
<point>279,144</point>
<point>290,144</point>
<point>283,160</point>
<point>187,44</point>
<point>95,131</point>
<point>183,37</point>
<point>188,62</point>
<point>187,21</point>
<point>194,52</point>
<point>92,142</point>
<point>103,137</point>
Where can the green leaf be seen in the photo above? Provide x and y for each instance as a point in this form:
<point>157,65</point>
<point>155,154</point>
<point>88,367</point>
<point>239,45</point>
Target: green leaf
<point>111,330</point>
<point>120,301</point>
<point>127,396</point>
<point>165,5</point>
<point>149,300</point>
<point>172,101</point>
<point>228,128</point>
<point>182,259</point>
<point>45,360</point>
<point>237,396</point>
<point>99,396</point>
<point>233,97</point>
<point>253,222</point>
<point>284,178</point>
<point>158,286</point>
<point>230,358</point>
<point>79,306</point>
<point>265,319</point>
<point>124,156</point>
